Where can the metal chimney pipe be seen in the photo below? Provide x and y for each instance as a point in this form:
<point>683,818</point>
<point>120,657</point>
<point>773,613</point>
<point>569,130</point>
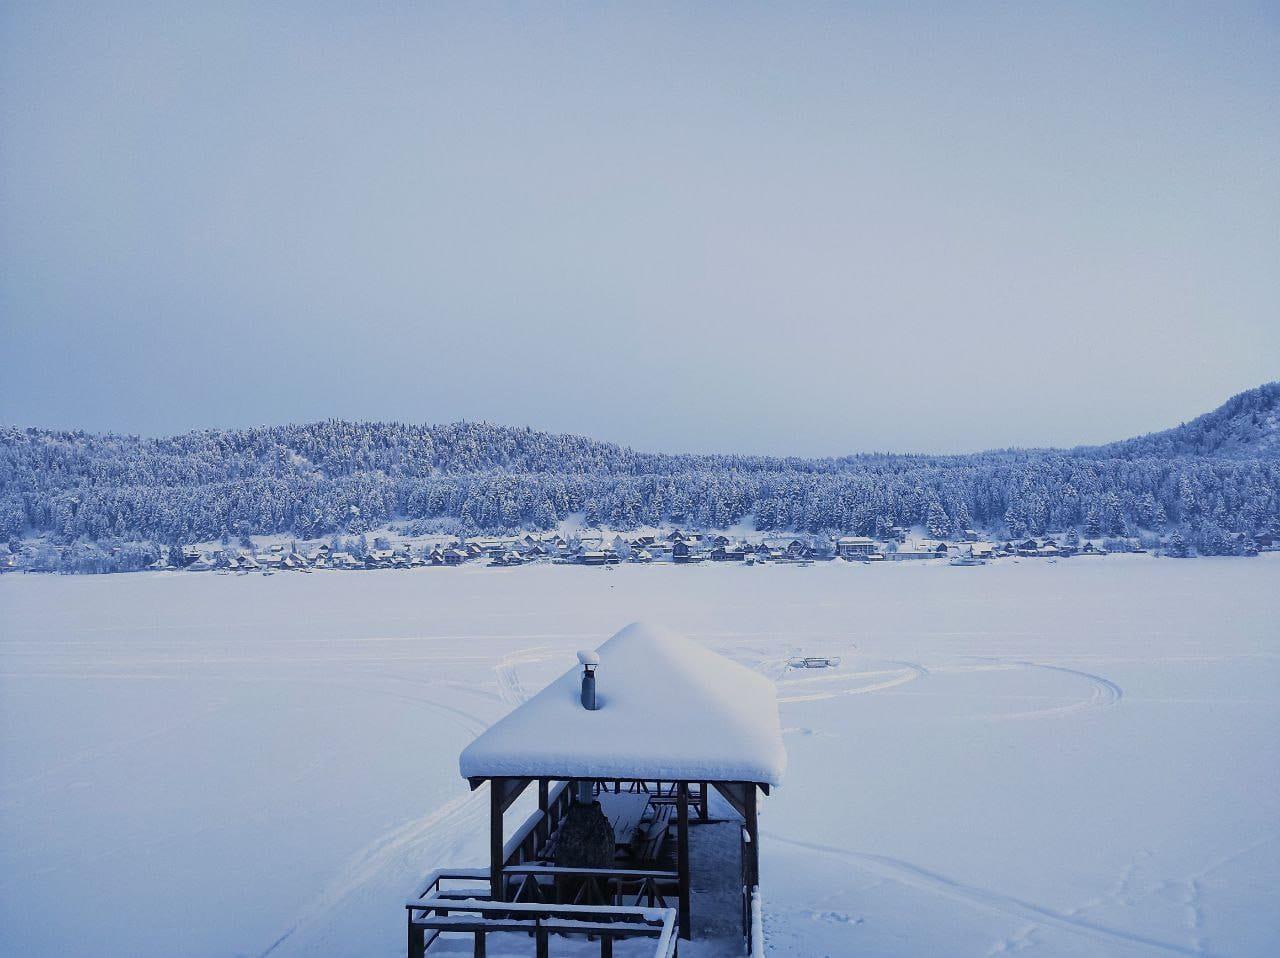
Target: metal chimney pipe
<point>590,662</point>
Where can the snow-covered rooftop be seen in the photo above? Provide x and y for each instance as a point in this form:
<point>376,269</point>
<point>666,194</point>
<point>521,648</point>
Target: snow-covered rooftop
<point>669,709</point>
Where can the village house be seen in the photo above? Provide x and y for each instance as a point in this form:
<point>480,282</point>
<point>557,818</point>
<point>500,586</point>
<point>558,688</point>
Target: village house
<point>798,549</point>
<point>847,546</point>
<point>598,557</point>
<point>1028,547</point>
<point>682,552</point>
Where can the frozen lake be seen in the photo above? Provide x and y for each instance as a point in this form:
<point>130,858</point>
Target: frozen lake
<point>1075,758</point>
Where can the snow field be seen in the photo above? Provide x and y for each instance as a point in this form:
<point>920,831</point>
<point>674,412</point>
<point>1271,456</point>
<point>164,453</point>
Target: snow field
<point>1078,757</point>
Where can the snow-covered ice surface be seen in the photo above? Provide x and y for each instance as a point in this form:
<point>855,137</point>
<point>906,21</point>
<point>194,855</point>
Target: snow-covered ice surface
<point>1071,758</point>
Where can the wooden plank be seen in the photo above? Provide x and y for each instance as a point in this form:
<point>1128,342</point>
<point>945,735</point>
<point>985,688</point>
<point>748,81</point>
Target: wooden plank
<point>682,805</point>
<point>625,874</point>
<point>616,912</point>
<point>494,926</point>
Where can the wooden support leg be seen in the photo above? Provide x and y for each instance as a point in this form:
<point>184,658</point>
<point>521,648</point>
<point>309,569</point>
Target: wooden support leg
<point>496,890</point>
<point>703,802</point>
<point>544,826</point>
<point>753,831</point>
<point>417,941</point>
<point>682,806</point>
<point>606,946</point>
<point>480,945</point>
<point>543,943</point>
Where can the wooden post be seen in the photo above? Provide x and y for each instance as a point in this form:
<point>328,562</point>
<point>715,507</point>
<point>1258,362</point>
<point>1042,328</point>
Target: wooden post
<point>496,884</point>
<point>544,826</point>
<point>479,951</point>
<point>703,802</point>
<point>682,806</point>
<point>753,832</point>
<point>416,940</point>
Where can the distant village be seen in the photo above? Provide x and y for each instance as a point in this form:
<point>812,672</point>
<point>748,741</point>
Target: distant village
<point>677,546</point>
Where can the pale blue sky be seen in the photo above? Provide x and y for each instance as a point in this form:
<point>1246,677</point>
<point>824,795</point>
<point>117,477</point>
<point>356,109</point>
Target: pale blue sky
<point>770,228</point>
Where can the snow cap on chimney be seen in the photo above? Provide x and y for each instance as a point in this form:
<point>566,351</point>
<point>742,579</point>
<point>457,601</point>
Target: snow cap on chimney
<point>590,660</point>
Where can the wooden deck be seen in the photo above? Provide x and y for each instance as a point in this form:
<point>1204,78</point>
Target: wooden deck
<point>682,861</point>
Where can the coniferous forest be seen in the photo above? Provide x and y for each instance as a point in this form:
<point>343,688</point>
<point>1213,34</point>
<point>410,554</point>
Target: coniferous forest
<point>1206,479</point>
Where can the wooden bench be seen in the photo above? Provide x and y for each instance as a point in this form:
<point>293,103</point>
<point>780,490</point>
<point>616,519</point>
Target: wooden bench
<point>648,844</point>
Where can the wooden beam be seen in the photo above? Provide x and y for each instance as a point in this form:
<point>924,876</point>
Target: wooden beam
<point>735,793</point>
<point>544,802</point>
<point>496,882</point>
<point>682,806</point>
<point>753,832</point>
<point>510,789</point>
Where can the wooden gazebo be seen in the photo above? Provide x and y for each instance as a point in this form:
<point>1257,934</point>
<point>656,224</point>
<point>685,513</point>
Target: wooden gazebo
<point>666,726</point>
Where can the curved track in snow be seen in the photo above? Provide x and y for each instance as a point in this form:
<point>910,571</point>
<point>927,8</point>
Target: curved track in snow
<point>922,879</point>
<point>847,683</point>
<point>1104,694</point>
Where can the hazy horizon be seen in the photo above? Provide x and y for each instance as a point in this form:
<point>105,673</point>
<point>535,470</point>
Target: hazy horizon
<point>710,451</point>
<point>808,232</point>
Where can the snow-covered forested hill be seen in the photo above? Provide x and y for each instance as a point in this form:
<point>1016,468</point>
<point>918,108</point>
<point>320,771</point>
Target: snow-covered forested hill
<point>1218,473</point>
<point>1245,426</point>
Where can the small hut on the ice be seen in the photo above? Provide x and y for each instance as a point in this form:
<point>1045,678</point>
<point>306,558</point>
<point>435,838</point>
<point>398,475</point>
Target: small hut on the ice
<point>647,759</point>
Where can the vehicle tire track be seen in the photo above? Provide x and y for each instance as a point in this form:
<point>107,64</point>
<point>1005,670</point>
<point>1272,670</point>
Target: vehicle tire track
<point>1104,693</point>
<point>909,672</point>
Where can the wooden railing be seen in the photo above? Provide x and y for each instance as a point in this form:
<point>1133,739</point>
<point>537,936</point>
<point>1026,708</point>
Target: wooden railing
<point>630,887</point>
<point>609,904</point>
<point>429,918</point>
<point>528,840</point>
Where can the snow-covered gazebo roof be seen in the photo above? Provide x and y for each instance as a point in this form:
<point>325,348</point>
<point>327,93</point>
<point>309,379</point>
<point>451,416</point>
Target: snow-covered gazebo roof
<point>669,710</point>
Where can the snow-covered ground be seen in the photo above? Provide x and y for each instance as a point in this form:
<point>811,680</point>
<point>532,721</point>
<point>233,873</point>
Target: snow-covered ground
<point>1075,758</point>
